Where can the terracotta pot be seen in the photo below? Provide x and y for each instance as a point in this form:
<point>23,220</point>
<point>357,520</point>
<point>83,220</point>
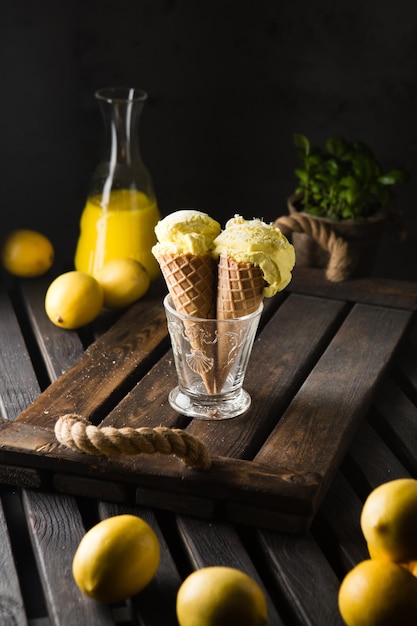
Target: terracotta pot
<point>362,235</point>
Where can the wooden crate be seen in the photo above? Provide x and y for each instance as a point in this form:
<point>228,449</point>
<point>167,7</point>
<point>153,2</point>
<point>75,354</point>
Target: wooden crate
<point>321,353</point>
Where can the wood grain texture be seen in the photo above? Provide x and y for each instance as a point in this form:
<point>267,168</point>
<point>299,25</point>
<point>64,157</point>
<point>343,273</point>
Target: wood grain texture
<point>19,386</point>
<point>314,431</point>
<point>378,291</point>
<point>302,571</point>
<point>56,530</point>
<point>307,399</point>
<point>299,572</point>
<point>12,610</point>
<point>50,552</point>
<point>105,369</point>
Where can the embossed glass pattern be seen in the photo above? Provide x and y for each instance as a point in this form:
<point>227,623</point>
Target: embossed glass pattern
<point>211,357</point>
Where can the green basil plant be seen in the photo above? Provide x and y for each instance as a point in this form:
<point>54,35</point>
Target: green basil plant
<point>343,181</point>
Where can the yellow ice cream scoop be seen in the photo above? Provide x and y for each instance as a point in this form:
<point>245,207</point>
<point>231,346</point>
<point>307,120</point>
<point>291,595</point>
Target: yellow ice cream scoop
<point>187,231</point>
<point>263,245</point>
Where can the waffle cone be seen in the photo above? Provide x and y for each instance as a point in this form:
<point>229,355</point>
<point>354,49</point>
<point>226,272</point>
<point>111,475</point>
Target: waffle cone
<point>191,283</point>
<point>239,288</point>
<point>239,292</point>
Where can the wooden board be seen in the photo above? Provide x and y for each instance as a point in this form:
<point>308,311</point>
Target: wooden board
<point>315,367</point>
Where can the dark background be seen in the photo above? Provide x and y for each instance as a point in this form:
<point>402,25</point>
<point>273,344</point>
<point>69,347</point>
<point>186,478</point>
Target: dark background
<point>229,83</point>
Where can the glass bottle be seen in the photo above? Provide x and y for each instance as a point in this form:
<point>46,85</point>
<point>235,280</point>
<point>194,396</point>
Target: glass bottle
<point>121,211</point>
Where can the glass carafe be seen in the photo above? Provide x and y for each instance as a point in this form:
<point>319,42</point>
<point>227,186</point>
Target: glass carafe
<point>121,211</point>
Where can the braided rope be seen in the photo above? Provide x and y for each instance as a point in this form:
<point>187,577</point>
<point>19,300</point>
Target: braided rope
<point>77,433</point>
<point>339,267</point>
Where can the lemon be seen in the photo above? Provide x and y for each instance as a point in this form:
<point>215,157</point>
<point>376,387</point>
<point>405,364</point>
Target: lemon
<point>116,558</point>
<point>389,521</point>
<point>216,596</point>
<point>26,253</point>
<point>123,281</point>
<point>378,592</point>
<point>411,566</point>
<point>73,299</point>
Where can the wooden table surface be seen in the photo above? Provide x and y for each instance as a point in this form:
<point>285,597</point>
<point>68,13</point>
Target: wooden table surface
<point>333,378</point>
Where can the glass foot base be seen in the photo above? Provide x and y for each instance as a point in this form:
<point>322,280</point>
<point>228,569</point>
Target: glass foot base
<point>216,408</point>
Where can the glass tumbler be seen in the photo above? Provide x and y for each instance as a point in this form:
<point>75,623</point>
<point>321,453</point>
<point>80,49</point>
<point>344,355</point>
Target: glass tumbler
<point>211,357</point>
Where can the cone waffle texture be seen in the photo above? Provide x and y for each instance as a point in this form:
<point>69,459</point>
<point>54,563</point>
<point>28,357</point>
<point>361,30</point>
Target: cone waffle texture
<point>239,288</point>
<point>239,292</point>
<point>191,282</point>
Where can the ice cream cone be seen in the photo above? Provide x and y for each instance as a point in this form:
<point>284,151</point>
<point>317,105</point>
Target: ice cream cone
<point>254,260</point>
<point>191,283</point>
<point>240,288</point>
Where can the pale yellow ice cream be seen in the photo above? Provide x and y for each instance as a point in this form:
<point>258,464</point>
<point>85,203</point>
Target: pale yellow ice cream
<point>185,232</point>
<point>263,245</point>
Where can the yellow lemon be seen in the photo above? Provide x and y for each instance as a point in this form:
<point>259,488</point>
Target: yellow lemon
<point>411,566</point>
<point>215,596</point>
<point>123,281</point>
<point>26,253</point>
<point>378,592</point>
<point>116,558</point>
<point>389,520</point>
<point>73,299</point>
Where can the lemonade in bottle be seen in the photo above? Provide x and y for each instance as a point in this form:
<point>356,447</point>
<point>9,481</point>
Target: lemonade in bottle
<point>121,211</point>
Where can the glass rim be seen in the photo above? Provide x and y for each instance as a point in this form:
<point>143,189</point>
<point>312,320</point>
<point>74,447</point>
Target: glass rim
<point>121,94</point>
<point>169,306</point>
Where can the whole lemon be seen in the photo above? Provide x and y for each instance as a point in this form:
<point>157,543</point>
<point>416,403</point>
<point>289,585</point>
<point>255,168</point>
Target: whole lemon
<point>123,281</point>
<point>26,253</point>
<point>378,592</point>
<point>116,558</point>
<point>215,596</point>
<point>73,299</point>
<point>389,520</point>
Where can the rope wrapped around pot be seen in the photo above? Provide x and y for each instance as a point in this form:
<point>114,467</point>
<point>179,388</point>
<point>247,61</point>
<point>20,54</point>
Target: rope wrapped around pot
<point>78,434</point>
<point>340,263</point>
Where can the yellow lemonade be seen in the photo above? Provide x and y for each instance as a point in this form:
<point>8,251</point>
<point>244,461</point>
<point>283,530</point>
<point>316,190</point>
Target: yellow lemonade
<point>124,228</point>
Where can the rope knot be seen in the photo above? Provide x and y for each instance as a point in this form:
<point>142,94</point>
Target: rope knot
<point>78,434</point>
<point>341,261</point>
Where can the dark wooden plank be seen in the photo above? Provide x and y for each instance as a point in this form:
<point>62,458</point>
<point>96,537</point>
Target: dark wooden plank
<point>25,390</point>
<point>396,420</point>
<point>232,480</point>
<point>147,403</point>
<point>106,367</point>
<point>302,573</point>
<point>317,428</point>
<point>370,462</point>
<point>18,384</point>
<point>406,368</point>
<point>12,610</point>
<point>337,527</point>
<point>282,357</point>
<point>57,529</point>
<point>377,291</point>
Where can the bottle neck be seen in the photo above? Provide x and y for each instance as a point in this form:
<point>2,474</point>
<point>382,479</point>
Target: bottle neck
<point>121,165</point>
<point>121,110</point>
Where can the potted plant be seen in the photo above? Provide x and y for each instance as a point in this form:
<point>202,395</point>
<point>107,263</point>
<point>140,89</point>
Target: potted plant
<point>344,187</point>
